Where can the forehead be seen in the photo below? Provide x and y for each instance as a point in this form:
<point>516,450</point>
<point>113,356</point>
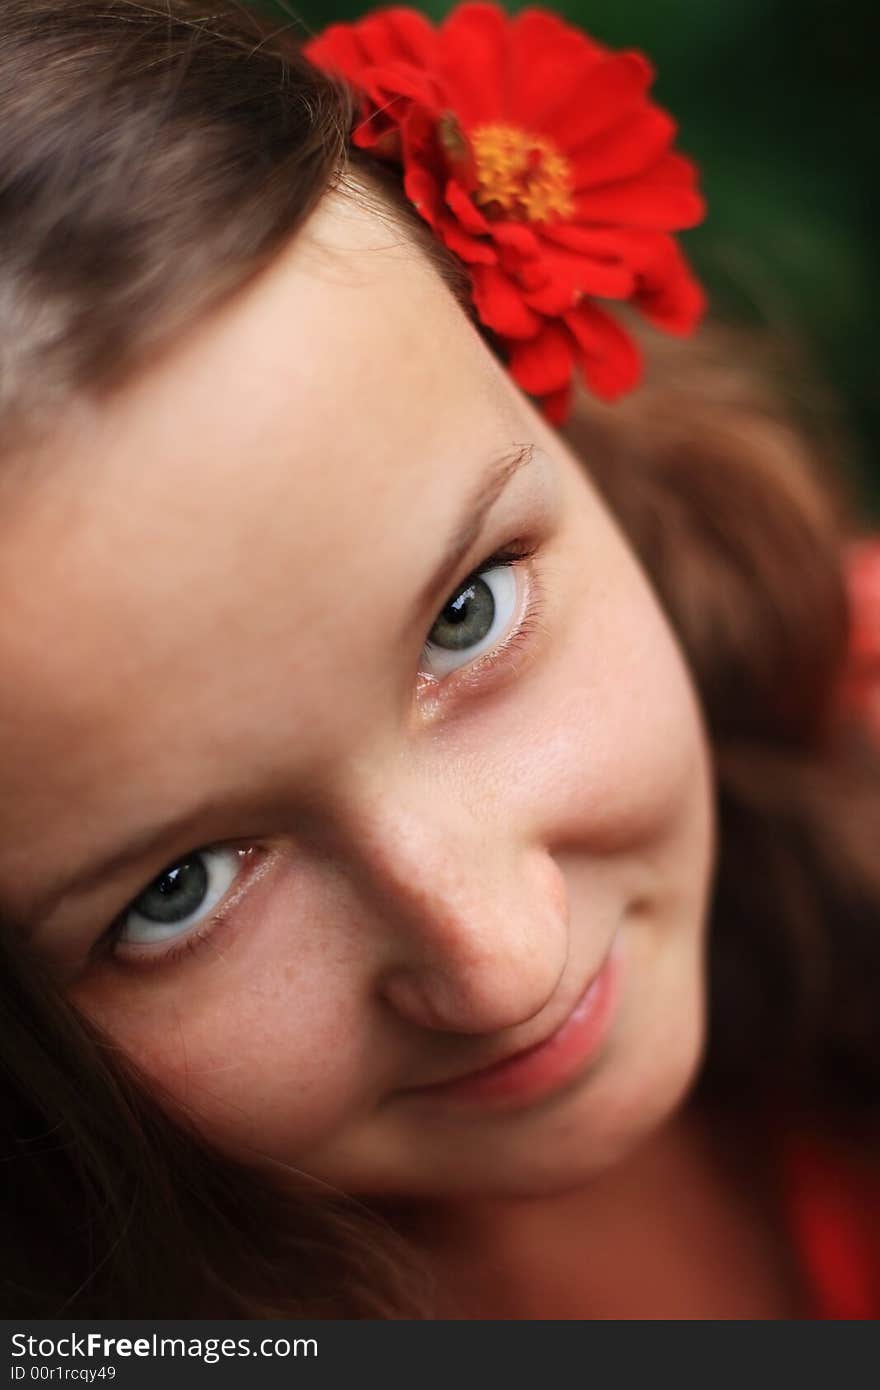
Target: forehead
<point>219,543</point>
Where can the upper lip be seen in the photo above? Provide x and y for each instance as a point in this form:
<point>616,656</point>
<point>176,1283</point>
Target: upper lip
<point>518,1052</point>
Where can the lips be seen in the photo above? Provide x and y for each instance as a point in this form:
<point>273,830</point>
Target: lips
<point>545,1065</point>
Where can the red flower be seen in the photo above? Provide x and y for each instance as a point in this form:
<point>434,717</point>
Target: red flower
<point>535,154</point>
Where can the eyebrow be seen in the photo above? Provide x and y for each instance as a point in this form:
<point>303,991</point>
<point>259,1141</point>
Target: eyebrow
<point>478,504</point>
<point>142,845</point>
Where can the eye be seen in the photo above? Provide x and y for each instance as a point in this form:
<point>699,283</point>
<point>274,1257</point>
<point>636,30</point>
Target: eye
<point>477,616</point>
<point>180,897</point>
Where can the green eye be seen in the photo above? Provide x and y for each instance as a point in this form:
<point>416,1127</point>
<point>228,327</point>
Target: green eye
<point>175,894</point>
<point>179,897</point>
<point>475,618</point>
<point>466,619</point>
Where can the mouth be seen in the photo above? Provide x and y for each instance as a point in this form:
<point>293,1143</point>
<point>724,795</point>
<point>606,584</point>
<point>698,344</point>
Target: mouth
<point>545,1066</point>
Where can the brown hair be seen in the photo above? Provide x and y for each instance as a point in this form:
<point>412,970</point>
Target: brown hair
<point>153,160</point>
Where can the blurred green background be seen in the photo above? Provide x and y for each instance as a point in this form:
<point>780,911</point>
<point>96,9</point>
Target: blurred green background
<point>777,100</point>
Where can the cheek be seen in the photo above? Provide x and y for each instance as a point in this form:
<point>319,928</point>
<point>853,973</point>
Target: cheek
<point>618,756</point>
<point>265,1047</point>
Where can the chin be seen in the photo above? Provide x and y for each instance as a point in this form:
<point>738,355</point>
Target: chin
<point>584,1132</point>
<point>598,1138</point>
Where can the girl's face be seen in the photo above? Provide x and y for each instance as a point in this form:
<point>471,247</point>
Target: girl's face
<point>297,859</point>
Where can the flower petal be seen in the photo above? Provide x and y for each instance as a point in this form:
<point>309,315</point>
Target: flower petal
<point>517,237</point>
<point>668,294</point>
<point>338,49</point>
<point>500,304</point>
<point>586,275</point>
<point>379,58</point>
<point>552,298</point>
<point>388,83</point>
<point>557,404</point>
<point>545,363</point>
<point>549,65</point>
<point>472,61</point>
<point>642,202</point>
<point>677,168</point>
<point>421,188</point>
<point>625,149</point>
<point>611,88</point>
<point>466,210</point>
<point>418,133</point>
<point>388,38</point>
<point>609,359</point>
<point>468,248</point>
<point>414,35</point>
<point>602,242</point>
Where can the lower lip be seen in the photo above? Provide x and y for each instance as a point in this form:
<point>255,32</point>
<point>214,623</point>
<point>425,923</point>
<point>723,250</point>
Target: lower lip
<point>550,1065</point>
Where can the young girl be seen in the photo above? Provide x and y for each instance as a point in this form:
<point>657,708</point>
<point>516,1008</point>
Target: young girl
<point>438,859</point>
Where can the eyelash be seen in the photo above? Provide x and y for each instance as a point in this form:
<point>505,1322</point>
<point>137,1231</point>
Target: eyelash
<point>514,553</point>
<point>254,857</point>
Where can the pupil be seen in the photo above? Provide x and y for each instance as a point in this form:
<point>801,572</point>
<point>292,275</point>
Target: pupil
<point>175,894</point>
<point>466,619</point>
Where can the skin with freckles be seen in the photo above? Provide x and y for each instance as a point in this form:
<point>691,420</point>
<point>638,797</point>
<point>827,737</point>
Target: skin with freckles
<point>413,851</point>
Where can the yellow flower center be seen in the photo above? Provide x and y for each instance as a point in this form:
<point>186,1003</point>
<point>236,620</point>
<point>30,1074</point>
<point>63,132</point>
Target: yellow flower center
<point>519,175</point>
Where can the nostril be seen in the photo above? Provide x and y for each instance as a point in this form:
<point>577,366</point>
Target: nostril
<point>490,998</point>
<point>470,942</point>
<point>410,997</point>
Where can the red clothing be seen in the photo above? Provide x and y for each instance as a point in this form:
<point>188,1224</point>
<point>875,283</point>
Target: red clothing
<point>832,1199</point>
<point>860,686</point>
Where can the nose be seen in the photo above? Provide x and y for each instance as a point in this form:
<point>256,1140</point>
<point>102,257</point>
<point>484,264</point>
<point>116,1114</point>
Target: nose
<point>475,927</point>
